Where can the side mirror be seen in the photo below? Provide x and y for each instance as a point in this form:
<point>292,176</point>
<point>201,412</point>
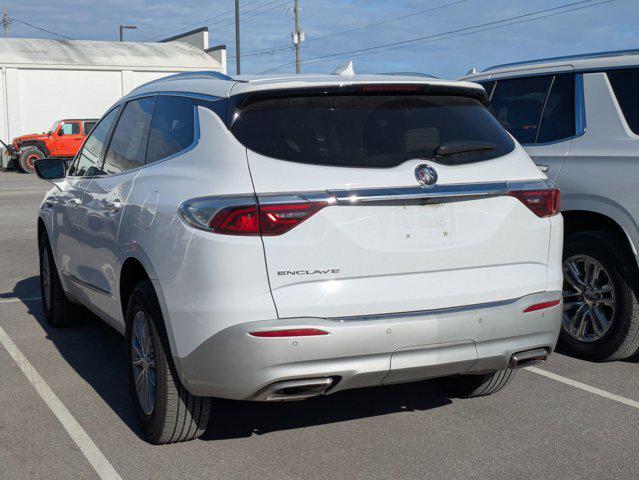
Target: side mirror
<point>60,132</point>
<point>50,168</point>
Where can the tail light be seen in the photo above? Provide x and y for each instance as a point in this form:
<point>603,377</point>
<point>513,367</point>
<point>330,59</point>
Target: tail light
<point>243,216</point>
<point>543,203</point>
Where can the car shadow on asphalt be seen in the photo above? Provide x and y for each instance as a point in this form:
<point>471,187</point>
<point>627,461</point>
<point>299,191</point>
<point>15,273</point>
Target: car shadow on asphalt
<point>96,352</point>
<point>233,419</point>
<point>24,290</point>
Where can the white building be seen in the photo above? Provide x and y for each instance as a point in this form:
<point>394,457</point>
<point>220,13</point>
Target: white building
<point>45,80</point>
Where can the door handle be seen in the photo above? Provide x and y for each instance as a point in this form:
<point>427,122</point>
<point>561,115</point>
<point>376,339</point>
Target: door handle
<point>114,206</point>
<point>543,168</point>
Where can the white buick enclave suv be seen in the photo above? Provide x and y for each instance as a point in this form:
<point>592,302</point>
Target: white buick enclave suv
<point>280,238</point>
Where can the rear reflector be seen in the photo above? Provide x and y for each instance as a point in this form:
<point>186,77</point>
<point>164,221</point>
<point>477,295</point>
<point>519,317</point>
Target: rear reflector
<point>543,203</point>
<point>294,332</point>
<point>541,306</point>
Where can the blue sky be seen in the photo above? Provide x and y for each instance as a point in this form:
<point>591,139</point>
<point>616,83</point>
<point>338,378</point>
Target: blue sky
<point>584,26</point>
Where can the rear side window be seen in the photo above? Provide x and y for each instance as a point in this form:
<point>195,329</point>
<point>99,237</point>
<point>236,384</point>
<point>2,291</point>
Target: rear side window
<point>373,130</point>
<point>89,160</point>
<point>558,118</point>
<point>625,84</point>
<point>517,104</point>
<point>127,149</point>
<point>172,129</point>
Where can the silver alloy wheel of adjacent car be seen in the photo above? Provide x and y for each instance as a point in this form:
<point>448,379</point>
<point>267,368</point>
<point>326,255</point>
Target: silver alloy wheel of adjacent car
<point>46,277</point>
<point>589,298</point>
<point>143,360</point>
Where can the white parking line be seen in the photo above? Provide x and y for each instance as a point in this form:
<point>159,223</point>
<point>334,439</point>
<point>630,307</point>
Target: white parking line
<point>13,300</point>
<point>583,386</point>
<point>98,461</point>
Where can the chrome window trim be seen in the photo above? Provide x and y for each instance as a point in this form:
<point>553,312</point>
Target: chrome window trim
<point>580,106</point>
<point>196,129</point>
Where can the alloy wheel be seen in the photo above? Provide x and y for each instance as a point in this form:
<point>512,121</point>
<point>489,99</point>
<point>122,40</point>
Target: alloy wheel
<point>143,362</point>
<point>589,298</point>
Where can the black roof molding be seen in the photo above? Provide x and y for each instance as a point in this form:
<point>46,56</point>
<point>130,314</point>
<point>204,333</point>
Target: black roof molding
<point>215,48</point>
<point>185,34</point>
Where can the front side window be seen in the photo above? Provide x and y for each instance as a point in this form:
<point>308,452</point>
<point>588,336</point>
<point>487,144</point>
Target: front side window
<point>127,149</point>
<point>625,84</point>
<point>517,104</point>
<point>368,130</point>
<point>70,128</point>
<point>89,160</point>
<point>172,129</point>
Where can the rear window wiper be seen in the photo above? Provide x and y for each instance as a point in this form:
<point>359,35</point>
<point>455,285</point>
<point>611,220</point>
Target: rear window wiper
<point>453,148</point>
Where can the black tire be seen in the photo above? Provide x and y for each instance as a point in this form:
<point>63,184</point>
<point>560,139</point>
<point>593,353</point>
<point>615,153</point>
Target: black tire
<point>28,157</point>
<point>470,386</point>
<point>59,311</point>
<point>622,338</point>
<point>176,415</point>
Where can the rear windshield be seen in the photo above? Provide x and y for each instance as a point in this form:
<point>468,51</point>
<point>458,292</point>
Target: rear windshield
<point>373,131</point>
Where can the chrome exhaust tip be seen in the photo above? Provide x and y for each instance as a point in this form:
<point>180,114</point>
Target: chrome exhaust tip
<point>294,389</point>
<point>528,358</point>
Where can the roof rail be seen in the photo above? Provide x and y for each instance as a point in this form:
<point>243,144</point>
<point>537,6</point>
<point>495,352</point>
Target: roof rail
<point>408,74</point>
<point>198,74</point>
<point>582,56</point>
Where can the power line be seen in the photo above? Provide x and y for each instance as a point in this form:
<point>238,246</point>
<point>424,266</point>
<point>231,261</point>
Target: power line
<point>403,43</point>
<point>256,14</point>
<point>206,19</point>
<point>350,30</point>
<point>479,30</point>
<point>389,20</point>
<point>38,28</point>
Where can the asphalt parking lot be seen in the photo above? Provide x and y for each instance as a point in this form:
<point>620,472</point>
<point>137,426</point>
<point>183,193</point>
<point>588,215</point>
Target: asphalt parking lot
<point>65,410</point>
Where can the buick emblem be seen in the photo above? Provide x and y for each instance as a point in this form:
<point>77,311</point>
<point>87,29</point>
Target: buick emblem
<point>425,175</point>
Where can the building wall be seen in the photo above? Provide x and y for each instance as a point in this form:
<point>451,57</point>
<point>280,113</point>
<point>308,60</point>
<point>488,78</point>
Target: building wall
<point>31,99</point>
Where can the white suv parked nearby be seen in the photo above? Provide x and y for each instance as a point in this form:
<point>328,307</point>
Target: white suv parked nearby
<point>277,239</point>
<point>578,118</point>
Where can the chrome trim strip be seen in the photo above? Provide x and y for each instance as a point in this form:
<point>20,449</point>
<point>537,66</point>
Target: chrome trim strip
<point>421,313</point>
<point>407,195</point>
<point>85,284</point>
<point>580,106</point>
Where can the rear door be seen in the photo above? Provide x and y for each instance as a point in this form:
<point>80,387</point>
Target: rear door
<point>380,242</point>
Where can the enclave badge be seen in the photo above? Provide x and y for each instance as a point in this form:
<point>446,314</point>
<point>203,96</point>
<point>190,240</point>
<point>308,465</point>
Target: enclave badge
<point>425,175</point>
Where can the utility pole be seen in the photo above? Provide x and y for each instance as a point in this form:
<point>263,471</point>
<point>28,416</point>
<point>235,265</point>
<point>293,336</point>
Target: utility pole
<point>237,36</point>
<point>126,27</point>
<point>298,37</point>
<point>5,22</point>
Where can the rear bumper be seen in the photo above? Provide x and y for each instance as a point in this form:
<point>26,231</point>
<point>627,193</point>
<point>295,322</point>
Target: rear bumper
<point>368,351</point>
